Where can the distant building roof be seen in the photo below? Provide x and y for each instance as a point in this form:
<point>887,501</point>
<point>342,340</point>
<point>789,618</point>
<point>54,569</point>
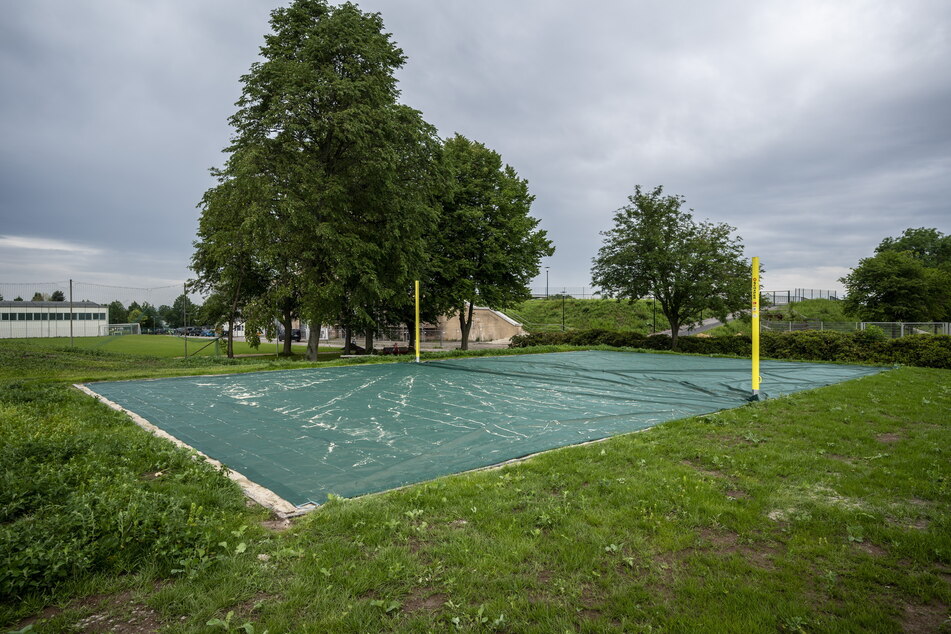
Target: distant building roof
<point>64,304</point>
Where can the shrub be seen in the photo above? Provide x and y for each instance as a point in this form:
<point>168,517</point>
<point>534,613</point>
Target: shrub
<point>869,346</point>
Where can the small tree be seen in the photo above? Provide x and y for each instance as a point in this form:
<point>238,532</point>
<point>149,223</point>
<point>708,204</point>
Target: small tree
<point>57,296</point>
<point>656,248</point>
<point>118,314</point>
<point>38,297</point>
<point>487,248</point>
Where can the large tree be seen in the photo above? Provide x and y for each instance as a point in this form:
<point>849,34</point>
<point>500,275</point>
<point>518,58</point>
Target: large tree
<point>929,246</point>
<point>656,248</point>
<point>488,247</point>
<point>908,279</point>
<point>336,173</point>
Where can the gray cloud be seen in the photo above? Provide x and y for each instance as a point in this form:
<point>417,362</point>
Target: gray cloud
<point>816,129</point>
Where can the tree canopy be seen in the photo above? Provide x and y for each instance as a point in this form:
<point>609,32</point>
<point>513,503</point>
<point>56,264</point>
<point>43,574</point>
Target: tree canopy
<point>328,178</point>
<point>908,279</point>
<point>487,247</point>
<point>656,249</point>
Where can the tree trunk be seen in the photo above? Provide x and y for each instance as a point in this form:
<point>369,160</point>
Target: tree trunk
<point>465,325</point>
<point>674,334</point>
<point>231,316</point>
<point>369,341</point>
<point>313,341</point>
<point>287,334</point>
<point>347,341</point>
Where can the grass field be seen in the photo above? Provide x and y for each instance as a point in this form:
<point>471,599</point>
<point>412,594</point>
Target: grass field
<point>829,510</point>
<point>165,346</point>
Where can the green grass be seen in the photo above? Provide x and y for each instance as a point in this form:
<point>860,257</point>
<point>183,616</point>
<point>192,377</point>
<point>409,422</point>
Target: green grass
<point>828,510</point>
<point>806,310</point>
<point>812,309</point>
<point>156,345</point>
<point>543,315</point>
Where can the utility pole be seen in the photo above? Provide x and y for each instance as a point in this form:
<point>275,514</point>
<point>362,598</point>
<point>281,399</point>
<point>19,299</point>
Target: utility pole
<point>546,282</point>
<point>185,315</point>
<point>70,313</point>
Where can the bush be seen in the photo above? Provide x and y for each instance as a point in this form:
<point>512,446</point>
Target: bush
<point>929,351</point>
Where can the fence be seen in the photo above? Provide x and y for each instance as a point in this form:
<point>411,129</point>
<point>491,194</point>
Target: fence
<point>56,298</point>
<point>797,295</point>
<point>576,292</point>
<point>892,329</point>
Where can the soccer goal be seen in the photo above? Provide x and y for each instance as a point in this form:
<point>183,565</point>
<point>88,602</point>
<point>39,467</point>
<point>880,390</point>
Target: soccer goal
<point>120,329</point>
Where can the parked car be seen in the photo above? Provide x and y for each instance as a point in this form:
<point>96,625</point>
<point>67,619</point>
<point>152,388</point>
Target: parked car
<point>295,335</point>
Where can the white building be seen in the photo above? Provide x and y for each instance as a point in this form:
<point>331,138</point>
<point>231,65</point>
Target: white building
<point>52,319</point>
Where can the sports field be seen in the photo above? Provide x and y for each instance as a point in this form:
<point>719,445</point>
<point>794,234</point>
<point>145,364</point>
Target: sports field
<point>167,346</point>
<point>306,434</point>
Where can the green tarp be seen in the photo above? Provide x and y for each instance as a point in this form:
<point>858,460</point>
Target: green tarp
<point>359,429</point>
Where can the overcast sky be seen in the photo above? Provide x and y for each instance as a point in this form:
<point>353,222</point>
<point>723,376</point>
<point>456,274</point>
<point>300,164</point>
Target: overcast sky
<point>814,128</point>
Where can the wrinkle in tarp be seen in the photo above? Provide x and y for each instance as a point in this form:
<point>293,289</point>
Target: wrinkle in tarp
<point>353,430</point>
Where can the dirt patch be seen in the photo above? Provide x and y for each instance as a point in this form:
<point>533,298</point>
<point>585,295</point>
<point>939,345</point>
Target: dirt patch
<point>888,439</point>
<point>45,615</point>
<point>458,523</point>
<point>838,458</point>
<point>737,494</point>
<point>277,525</point>
<point>424,599</point>
<point>117,613</point>
<point>760,554</point>
<point>152,475</point>
<point>711,473</point>
<point>872,549</point>
<point>246,608</point>
<point>924,618</point>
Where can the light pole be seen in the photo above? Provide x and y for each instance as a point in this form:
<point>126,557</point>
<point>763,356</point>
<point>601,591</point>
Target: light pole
<point>546,282</point>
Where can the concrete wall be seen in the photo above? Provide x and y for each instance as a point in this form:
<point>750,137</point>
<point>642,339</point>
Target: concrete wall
<point>487,325</point>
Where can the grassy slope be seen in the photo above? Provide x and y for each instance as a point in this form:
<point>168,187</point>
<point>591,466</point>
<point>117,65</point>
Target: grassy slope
<point>827,510</point>
<point>807,310</point>
<point>150,345</point>
<point>541,315</point>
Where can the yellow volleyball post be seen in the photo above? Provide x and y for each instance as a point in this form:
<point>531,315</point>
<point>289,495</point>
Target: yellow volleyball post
<point>417,321</point>
<point>755,333</point>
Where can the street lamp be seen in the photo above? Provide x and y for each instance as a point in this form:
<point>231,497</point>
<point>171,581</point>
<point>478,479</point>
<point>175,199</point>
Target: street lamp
<point>546,282</point>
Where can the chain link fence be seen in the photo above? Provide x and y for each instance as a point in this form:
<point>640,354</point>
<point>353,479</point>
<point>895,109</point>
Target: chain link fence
<point>891,329</point>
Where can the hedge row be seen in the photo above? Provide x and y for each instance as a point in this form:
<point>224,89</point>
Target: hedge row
<point>928,351</point>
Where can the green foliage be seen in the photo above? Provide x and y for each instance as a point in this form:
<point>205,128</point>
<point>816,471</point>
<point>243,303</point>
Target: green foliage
<point>329,181</point>
<point>58,296</point>
<point>928,246</point>
<point>869,346</point>
<point>908,279</point>
<point>83,491</point>
<point>118,314</point>
<point>895,286</point>
<point>487,247</point>
<point>655,248</point>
